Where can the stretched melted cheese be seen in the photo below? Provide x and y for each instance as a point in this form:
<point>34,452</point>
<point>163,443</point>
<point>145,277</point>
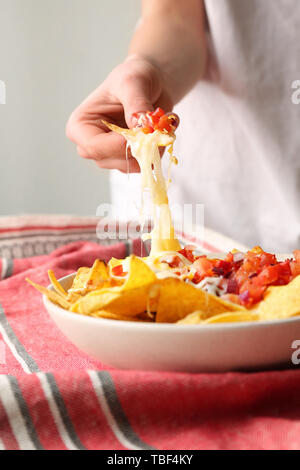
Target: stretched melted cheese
<point>145,149</point>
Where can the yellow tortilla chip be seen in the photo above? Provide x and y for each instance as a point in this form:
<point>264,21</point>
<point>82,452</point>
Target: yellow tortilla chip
<point>114,316</point>
<point>177,299</point>
<point>51,295</point>
<point>79,282</point>
<point>192,319</point>
<point>280,302</point>
<point>114,262</point>
<point>231,317</point>
<point>130,299</point>
<point>56,285</point>
<point>98,275</point>
<point>119,130</point>
<point>73,297</point>
<point>139,274</point>
<point>129,302</point>
<point>89,279</point>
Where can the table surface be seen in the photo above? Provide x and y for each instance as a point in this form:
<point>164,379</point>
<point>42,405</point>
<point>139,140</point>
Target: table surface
<point>52,396</point>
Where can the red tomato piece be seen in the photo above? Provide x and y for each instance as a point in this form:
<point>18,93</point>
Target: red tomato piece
<point>267,258</point>
<point>188,253</point>
<point>118,270</point>
<point>250,293</point>
<point>156,115</point>
<point>164,124</point>
<point>297,255</point>
<point>204,266</point>
<point>295,268</point>
<point>175,262</point>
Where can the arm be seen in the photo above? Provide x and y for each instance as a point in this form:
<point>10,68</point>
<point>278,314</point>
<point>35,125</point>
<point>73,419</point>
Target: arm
<point>167,57</point>
<point>171,35</point>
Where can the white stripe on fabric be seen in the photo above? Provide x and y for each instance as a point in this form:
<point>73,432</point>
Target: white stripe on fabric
<point>55,413</point>
<point>107,412</point>
<point>13,350</point>
<point>2,446</point>
<point>14,415</point>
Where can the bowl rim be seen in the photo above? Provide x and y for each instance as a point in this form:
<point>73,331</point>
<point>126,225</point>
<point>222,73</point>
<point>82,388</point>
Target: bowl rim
<point>163,326</point>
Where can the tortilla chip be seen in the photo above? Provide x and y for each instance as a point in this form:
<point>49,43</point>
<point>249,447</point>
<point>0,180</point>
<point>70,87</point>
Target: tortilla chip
<point>192,319</point>
<point>177,299</point>
<point>119,130</point>
<point>114,316</point>
<point>114,262</point>
<point>131,298</point>
<point>280,302</point>
<point>139,274</point>
<point>232,317</point>
<point>79,282</point>
<point>129,302</point>
<point>89,279</point>
<point>98,275</point>
<point>56,285</point>
<point>73,297</point>
<point>129,134</point>
<point>51,295</point>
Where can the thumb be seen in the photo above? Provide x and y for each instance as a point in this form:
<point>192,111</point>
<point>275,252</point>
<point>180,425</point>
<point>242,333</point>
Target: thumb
<point>135,97</point>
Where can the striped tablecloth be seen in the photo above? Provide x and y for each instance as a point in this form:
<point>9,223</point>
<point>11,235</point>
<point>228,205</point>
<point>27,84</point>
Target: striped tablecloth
<point>52,396</point>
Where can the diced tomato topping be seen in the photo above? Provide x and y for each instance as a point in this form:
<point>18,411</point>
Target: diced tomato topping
<point>156,115</point>
<point>229,258</point>
<point>222,267</point>
<point>232,287</point>
<point>156,120</point>
<point>250,293</point>
<point>204,267</point>
<point>164,124</point>
<point>245,275</point>
<point>295,268</point>
<point>187,252</point>
<point>297,255</point>
<point>118,270</point>
<point>174,262</point>
<point>267,258</point>
<point>197,278</point>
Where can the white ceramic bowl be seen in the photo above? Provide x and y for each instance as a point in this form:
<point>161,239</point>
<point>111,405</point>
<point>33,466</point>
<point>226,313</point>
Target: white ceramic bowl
<point>171,347</point>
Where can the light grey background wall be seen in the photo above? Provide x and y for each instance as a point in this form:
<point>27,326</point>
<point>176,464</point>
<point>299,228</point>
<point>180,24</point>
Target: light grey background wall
<point>52,54</point>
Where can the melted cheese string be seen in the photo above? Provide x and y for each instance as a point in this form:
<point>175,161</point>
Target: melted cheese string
<point>145,149</point>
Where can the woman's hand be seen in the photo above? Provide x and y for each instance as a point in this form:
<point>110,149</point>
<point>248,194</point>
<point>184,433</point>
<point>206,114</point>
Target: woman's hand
<point>134,86</point>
